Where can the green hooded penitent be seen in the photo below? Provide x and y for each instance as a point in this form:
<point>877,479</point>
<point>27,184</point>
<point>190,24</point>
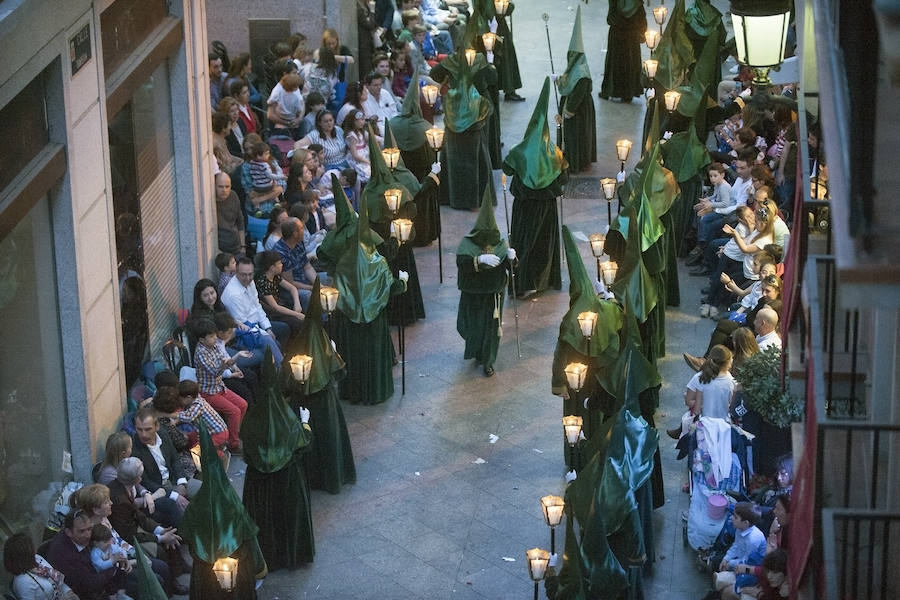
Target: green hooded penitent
<point>149,587</point>
<point>579,129</point>
<point>464,106</point>
<point>340,238</point>
<point>409,126</point>
<point>329,463</point>
<point>275,489</point>
<point>674,52</point>
<point>538,171</point>
<point>536,161</point>
<point>481,287</point>
<point>622,73</point>
<point>216,525</point>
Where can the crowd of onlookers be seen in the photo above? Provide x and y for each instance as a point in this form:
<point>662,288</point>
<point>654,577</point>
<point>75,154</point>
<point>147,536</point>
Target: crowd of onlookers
<point>740,496</point>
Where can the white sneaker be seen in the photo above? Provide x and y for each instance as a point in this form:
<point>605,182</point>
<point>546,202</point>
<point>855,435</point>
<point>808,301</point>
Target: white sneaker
<point>704,310</point>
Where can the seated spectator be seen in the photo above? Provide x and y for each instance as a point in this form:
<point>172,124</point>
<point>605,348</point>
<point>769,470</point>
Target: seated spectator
<point>286,105</point>
<point>380,104</point>
<point>712,387</point>
<point>322,76</point>
<point>242,301</point>
<point>33,577</point>
<point>221,129</point>
<point>162,465</point>
<point>210,365</point>
<point>118,446</point>
<point>194,409</point>
<point>167,407</point>
<point>241,68</point>
<point>240,381</point>
<point>272,289</point>
<point>226,264</point>
<point>105,553</point>
<point>749,544</point>
<point>297,270</point>
<point>353,102</point>
<point>331,137</point>
<point>256,203</point>
<point>240,91</point>
<point>356,131</point>
<point>766,325</point>
<point>401,71</point>
<point>69,552</point>
<point>315,220</point>
<point>278,216</point>
<point>229,218</point>
<point>217,77</point>
<point>235,138</point>
<point>314,103</point>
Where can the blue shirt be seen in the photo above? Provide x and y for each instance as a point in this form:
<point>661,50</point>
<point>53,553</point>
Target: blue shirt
<point>293,259</point>
<point>746,543</point>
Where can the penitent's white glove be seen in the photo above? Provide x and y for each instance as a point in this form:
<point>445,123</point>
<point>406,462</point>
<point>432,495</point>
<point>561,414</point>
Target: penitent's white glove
<point>511,254</point>
<point>403,276</point>
<point>491,260</point>
<point>571,476</point>
<point>304,414</point>
<point>436,168</point>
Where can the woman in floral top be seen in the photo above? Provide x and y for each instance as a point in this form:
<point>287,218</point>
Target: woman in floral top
<point>272,289</point>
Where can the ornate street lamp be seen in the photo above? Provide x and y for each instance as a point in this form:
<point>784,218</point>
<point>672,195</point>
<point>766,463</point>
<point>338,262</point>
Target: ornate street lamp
<point>659,15</point>
<point>760,35</point>
<point>609,270</point>
<point>609,192</point>
<point>392,197</point>
<point>651,38</point>
<point>500,7</point>
<point>470,56</point>
<point>672,98</point>
<point>576,373</point>
<point>538,559</point>
<point>430,93</point>
<point>435,137</point>
<point>651,65</point>
<point>402,229</point>
<point>329,297</point>
<point>598,240</point>
<point>489,39</point>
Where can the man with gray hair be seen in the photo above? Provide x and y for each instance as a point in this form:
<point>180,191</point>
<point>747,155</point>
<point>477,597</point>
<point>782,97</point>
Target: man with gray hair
<point>765,325</point>
<point>126,518</point>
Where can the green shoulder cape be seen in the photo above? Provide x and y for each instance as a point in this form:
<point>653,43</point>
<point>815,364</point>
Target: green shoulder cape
<point>484,236</point>
<point>463,105</point>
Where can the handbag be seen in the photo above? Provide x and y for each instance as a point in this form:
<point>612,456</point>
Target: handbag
<point>248,339</point>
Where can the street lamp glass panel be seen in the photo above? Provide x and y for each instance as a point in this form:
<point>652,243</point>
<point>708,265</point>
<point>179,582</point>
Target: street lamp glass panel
<point>587,321</point>
<point>537,563</point>
<point>651,38</point>
<point>672,99</point>
<point>760,32</point>
<point>623,147</point>
<point>609,270</point>
<point>575,375</point>
<point>435,137</point>
<point>392,197</point>
<point>226,571</point>
<point>301,365</point>
<point>572,427</point>
<point>553,507</point>
<point>650,67</point>
<point>598,240</point>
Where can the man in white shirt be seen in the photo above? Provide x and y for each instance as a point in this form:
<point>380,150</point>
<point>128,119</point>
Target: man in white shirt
<point>242,301</point>
<point>380,104</point>
<point>765,324</point>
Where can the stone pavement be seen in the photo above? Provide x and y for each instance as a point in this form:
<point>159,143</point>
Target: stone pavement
<point>440,510</point>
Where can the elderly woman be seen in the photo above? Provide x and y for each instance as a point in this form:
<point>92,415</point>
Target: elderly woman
<point>33,577</point>
<point>94,501</point>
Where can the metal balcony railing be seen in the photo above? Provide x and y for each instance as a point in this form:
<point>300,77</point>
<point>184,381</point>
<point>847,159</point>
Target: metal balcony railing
<point>859,561</point>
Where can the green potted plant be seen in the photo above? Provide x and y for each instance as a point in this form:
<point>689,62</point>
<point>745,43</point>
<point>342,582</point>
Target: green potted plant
<point>771,409</point>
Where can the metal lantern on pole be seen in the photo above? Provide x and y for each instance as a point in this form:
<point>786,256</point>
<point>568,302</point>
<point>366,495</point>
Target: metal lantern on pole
<point>623,148</point>
<point>538,559</point>
<point>500,7</point>
<point>301,365</point>
<point>430,93</point>
<point>553,507</point>
<point>329,297</point>
<point>609,192</point>
<point>489,39</point>
<point>586,321</point>
<point>435,137</point>
<point>651,65</point>
<point>659,15</point>
<point>402,229</point>
<point>651,38</point>
<point>760,34</point>
<point>225,570</point>
<point>609,270</point>
<point>672,98</point>
<point>572,428</point>
<point>598,240</point>
<point>391,157</point>
<point>576,373</point>
<point>470,56</point>
<point>392,197</point>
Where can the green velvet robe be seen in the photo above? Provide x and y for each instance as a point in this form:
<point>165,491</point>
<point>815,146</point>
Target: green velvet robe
<point>279,503</point>
<point>622,73</point>
<point>426,223</point>
<point>579,131</point>
<point>534,233</point>
<point>329,463</point>
<point>480,311</point>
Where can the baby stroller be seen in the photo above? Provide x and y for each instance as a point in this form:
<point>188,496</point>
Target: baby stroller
<point>717,452</point>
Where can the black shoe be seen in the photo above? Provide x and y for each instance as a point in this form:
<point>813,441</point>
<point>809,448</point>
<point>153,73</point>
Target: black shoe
<point>699,271</point>
<point>513,97</point>
<point>488,371</point>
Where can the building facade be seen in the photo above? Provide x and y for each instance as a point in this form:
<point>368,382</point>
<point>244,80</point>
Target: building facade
<point>107,218</point>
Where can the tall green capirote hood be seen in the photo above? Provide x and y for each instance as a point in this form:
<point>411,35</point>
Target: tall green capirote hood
<point>270,430</point>
<point>464,106</point>
<point>576,62</point>
<point>382,180</point>
<point>409,126</point>
<point>363,276</point>
<point>484,236</point>
<point>339,239</point>
<point>312,340</point>
<point>215,522</point>
<point>536,161</point>
<point>605,338</point>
